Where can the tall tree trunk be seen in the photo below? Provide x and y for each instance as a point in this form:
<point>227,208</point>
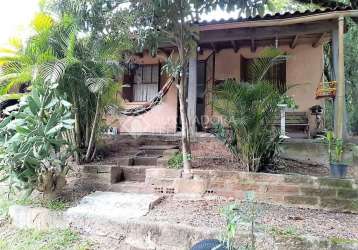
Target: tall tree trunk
<point>87,130</point>
<point>185,128</point>
<point>185,135</point>
<point>93,132</point>
<point>77,132</point>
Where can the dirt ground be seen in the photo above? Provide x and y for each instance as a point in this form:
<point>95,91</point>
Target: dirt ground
<point>206,213</point>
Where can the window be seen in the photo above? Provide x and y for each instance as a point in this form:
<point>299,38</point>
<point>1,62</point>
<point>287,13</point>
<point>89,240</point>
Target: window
<point>142,83</point>
<point>276,74</point>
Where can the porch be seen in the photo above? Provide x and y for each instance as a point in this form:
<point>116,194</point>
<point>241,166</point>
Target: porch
<point>223,50</point>
<point>226,47</point>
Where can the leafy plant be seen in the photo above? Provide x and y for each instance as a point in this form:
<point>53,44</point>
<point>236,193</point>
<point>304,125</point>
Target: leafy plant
<point>34,149</point>
<point>289,101</point>
<point>81,68</point>
<point>335,148</point>
<point>249,111</point>
<point>246,212</point>
<point>231,224</point>
<point>176,161</point>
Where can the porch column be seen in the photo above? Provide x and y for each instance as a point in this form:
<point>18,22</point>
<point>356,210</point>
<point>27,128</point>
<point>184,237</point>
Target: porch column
<point>192,94</point>
<point>338,64</point>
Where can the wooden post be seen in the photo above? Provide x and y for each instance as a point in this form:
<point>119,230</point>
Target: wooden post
<point>338,61</point>
<point>192,94</point>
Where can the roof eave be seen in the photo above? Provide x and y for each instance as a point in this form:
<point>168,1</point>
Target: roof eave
<point>279,22</point>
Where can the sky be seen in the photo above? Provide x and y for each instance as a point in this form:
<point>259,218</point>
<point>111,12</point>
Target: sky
<point>16,16</point>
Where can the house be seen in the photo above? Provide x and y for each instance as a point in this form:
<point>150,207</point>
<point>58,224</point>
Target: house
<point>224,50</point>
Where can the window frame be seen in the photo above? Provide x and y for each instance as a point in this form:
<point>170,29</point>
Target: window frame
<point>130,80</point>
<point>276,74</point>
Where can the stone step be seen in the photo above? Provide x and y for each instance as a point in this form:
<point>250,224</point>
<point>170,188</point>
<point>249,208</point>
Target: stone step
<point>145,160</point>
<point>129,187</point>
<point>104,174</point>
<point>134,173</point>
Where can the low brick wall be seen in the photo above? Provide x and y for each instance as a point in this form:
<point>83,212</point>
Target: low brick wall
<point>295,190</point>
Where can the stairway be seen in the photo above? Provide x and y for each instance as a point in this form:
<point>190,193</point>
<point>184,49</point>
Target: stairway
<point>127,173</point>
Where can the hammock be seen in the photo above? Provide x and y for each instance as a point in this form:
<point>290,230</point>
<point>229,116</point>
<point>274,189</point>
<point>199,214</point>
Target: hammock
<point>149,105</point>
<point>326,90</point>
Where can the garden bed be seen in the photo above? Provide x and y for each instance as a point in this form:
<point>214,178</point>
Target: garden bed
<point>287,166</point>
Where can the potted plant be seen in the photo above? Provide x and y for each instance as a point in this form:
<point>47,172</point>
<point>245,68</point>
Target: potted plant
<point>338,168</point>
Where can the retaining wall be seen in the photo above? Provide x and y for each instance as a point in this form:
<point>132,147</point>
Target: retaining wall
<point>294,190</point>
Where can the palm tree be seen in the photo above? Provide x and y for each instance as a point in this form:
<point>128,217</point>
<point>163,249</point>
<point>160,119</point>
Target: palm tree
<point>249,110</point>
<point>75,67</point>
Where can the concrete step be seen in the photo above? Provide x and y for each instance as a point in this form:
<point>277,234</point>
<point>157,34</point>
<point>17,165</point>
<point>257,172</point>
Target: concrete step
<point>104,174</point>
<point>129,187</point>
<point>135,173</point>
<point>144,161</point>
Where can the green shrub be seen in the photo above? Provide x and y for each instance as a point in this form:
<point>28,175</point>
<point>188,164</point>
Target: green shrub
<point>176,161</point>
<point>249,111</point>
<point>34,148</point>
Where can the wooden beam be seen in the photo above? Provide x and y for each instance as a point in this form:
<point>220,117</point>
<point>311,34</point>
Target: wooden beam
<point>214,47</point>
<point>320,40</point>
<point>339,116</point>
<point>294,42</point>
<point>265,32</point>
<point>253,45</point>
<point>235,46</point>
<point>166,52</point>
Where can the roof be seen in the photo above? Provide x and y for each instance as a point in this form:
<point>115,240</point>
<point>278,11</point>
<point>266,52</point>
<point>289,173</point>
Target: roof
<point>276,16</point>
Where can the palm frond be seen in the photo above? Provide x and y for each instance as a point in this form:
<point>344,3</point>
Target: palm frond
<point>261,65</point>
<point>98,85</point>
<point>52,72</point>
<point>42,22</point>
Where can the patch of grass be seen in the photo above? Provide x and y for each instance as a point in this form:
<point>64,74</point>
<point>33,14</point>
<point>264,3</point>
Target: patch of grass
<point>288,232</point>
<point>338,241</point>
<point>44,240</point>
<point>56,205</point>
<point>176,161</point>
<point>4,207</point>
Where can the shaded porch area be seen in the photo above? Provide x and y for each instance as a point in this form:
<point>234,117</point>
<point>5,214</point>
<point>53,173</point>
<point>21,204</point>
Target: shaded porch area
<point>226,47</point>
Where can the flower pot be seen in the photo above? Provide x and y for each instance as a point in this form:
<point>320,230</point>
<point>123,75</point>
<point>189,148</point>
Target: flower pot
<point>338,170</point>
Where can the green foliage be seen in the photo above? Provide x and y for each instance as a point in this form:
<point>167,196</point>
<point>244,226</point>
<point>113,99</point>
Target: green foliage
<point>231,224</point>
<point>235,214</point>
<point>335,148</point>
<point>340,241</point>
<point>32,141</point>
<point>288,232</point>
<point>249,111</point>
<point>54,205</point>
<point>351,73</point>
<point>289,101</point>
<point>176,161</point>
<point>81,66</point>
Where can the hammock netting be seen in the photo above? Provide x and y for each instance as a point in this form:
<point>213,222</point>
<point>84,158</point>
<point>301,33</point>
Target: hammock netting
<point>151,104</point>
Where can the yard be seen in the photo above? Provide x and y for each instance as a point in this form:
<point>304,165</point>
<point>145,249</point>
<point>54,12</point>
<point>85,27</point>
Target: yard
<point>161,124</point>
